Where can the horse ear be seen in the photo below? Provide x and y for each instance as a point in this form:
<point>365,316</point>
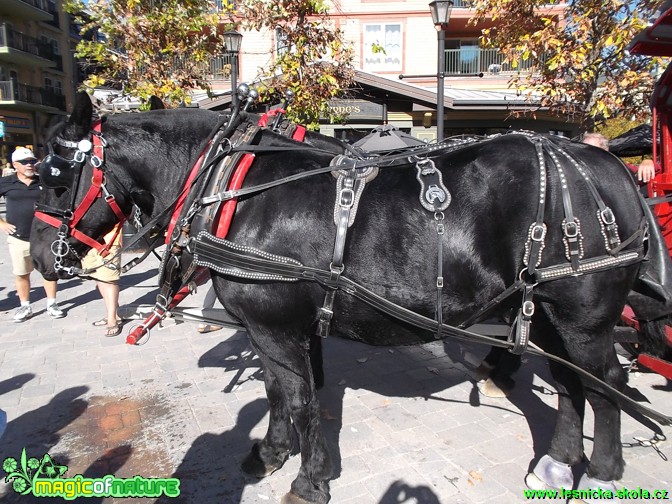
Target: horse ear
<point>82,113</point>
<point>155,103</point>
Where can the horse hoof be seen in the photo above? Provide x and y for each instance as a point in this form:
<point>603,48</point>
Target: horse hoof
<point>593,491</point>
<point>549,474</point>
<point>290,498</point>
<point>533,482</point>
<point>495,390</point>
<point>254,466</point>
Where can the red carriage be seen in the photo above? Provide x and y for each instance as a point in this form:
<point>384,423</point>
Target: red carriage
<point>656,40</point>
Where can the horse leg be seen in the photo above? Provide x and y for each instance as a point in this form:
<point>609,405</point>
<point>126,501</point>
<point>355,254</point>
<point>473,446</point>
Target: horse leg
<point>592,350</point>
<point>268,455</point>
<point>271,453</point>
<point>316,362</point>
<point>554,469</point>
<point>606,462</point>
<point>293,391</point>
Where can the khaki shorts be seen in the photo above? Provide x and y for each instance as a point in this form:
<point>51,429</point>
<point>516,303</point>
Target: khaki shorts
<point>19,251</point>
<point>104,274</point>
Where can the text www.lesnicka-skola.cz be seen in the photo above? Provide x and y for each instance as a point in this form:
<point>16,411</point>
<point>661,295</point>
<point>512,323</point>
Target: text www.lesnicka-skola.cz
<point>598,493</point>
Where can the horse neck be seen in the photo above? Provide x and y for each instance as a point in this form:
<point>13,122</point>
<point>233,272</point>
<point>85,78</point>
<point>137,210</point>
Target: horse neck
<point>153,155</point>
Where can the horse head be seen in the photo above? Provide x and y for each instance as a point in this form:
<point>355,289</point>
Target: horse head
<point>82,197</point>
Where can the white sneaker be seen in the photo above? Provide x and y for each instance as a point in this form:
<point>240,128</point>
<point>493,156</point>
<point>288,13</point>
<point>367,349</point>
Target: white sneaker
<point>23,314</point>
<point>55,311</point>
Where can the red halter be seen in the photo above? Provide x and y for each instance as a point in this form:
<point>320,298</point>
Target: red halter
<point>95,191</point>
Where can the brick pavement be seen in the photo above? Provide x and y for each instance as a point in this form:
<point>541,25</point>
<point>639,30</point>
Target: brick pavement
<point>404,424</point>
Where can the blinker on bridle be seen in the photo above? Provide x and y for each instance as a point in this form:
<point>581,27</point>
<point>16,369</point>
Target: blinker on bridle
<point>58,172</point>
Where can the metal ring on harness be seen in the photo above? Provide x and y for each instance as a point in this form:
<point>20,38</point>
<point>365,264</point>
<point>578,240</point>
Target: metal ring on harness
<point>58,247</point>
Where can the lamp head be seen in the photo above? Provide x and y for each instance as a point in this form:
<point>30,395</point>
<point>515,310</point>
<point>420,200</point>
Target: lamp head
<point>232,41</point>
<point>441,10</point>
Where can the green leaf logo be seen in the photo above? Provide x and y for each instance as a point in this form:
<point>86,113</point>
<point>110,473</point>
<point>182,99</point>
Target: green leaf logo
<point>22,473</point>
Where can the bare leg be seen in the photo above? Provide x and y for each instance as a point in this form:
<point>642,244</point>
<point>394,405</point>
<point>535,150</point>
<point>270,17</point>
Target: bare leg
<point>209,302</point>
<point>50,288</point>
<point>110,294</point>
<point>23,287</point>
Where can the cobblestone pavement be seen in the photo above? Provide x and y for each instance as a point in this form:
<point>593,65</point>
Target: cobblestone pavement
<point>405,425</point>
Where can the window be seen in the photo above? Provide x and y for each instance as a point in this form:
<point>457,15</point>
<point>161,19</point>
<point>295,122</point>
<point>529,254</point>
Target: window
<point>50,45</point>
<point>387,37</point>
<point>280,42</point>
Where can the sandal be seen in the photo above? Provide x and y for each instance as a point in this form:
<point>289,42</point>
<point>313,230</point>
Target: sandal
<point>206,328</point>
<point>114,330</point>
<point>103,322</point>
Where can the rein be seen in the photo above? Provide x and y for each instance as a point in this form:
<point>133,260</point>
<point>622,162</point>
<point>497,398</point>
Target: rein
<point>214,252</point>
<point>357,164</point>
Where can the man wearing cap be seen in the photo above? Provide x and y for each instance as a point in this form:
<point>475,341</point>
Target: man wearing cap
<point>21,191</point>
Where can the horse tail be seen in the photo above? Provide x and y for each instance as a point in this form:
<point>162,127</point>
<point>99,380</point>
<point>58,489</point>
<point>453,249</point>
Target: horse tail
<point>655,337</point>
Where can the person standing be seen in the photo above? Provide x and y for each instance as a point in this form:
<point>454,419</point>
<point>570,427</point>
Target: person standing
<point>21,191</point>
<point>106,273</point>
<point>644,172</point>
<point>208,303</point>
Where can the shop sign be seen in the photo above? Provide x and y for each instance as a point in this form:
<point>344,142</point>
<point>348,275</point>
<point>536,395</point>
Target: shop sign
<point>356,109</point>
<point>18,122</point>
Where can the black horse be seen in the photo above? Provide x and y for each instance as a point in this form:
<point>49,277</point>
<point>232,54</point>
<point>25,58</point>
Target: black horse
<point>547,227</point>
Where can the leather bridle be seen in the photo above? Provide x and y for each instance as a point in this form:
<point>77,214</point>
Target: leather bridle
<point>65,221</point>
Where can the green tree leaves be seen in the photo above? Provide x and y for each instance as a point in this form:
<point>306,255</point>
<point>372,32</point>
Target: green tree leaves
<point>159,47</point>
<point>315,62</point>
<point>147,47</point>
<point>580,52</point>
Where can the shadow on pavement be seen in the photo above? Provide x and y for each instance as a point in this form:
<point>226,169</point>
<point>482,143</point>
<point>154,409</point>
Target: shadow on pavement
<point>38,431</point>
<point>11,300</point>
<point>15,382</point>
<point>399,492</point>
<point>210,471</point>
<point>390,372</point>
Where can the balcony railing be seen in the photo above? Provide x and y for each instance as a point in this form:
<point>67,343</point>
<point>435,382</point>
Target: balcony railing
<point>45,5</point>
<point>25,43</point>
<point>218,68</point>
<point>11,91</point>
<point>474,60</point>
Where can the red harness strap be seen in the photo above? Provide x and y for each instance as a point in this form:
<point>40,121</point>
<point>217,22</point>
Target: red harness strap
<point>223,219</point>
<point>263,120</point>
<point>299,133</point>
<point>94,192</point>
<point>229,207</point>
<point>183,196</point>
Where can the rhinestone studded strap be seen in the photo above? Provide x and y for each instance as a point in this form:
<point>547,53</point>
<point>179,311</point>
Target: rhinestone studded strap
<point>536,234</point>
<point>605,215</point>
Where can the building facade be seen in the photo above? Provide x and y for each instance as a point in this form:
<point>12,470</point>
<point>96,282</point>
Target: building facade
<point>399,86</point>
<point>38,74</point>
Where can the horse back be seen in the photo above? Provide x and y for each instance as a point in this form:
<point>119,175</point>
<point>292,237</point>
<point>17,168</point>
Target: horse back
<point>392,246</point>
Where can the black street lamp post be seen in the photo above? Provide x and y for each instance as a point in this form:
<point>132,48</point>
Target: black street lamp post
<point>440,10</point>
<point>232,41</point>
